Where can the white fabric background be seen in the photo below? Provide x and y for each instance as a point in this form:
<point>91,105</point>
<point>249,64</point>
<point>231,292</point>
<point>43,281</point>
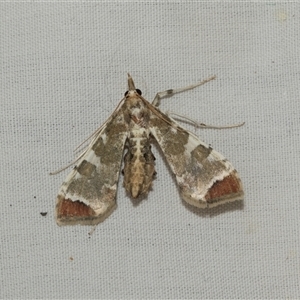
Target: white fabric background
<point>63,71</point>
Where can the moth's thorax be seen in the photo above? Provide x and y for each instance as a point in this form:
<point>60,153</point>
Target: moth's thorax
<point>136,111</point>
<point>139,160</point>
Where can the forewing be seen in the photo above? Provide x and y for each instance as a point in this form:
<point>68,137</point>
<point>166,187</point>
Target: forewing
<point>204,176</point>
<point>88,194</point>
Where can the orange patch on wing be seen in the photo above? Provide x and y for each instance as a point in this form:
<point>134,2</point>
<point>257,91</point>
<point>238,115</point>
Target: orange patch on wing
<point>230,185</point>
<point>67,208</point>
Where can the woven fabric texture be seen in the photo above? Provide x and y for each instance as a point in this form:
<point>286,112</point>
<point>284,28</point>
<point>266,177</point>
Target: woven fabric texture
<point>63,71</point>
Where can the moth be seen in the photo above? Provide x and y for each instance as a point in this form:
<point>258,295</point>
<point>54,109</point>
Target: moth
<point>88,195</point>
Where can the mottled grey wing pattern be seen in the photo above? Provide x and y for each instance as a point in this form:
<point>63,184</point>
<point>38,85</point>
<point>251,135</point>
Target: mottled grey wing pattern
<point>204,176</point>
<point>88,194</point>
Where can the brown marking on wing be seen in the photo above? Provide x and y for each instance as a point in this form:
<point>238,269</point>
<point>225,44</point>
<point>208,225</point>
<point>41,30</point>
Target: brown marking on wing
<point>67,209</point>
<point>70,212</point>
<point>229,188</point>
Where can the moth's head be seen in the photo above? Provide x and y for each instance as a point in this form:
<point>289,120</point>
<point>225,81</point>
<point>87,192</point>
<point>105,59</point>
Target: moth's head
<point>131,87</point>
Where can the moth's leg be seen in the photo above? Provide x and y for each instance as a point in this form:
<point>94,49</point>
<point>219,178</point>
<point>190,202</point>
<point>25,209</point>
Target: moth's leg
<point>171,92</point>
<point>201,125</point>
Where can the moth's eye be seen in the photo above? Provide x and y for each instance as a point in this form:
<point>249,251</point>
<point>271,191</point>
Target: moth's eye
<point>139,92</point>
<point>126,93</point>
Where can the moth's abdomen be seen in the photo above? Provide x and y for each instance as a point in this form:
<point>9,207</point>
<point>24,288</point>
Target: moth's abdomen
<point>138,164</point>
